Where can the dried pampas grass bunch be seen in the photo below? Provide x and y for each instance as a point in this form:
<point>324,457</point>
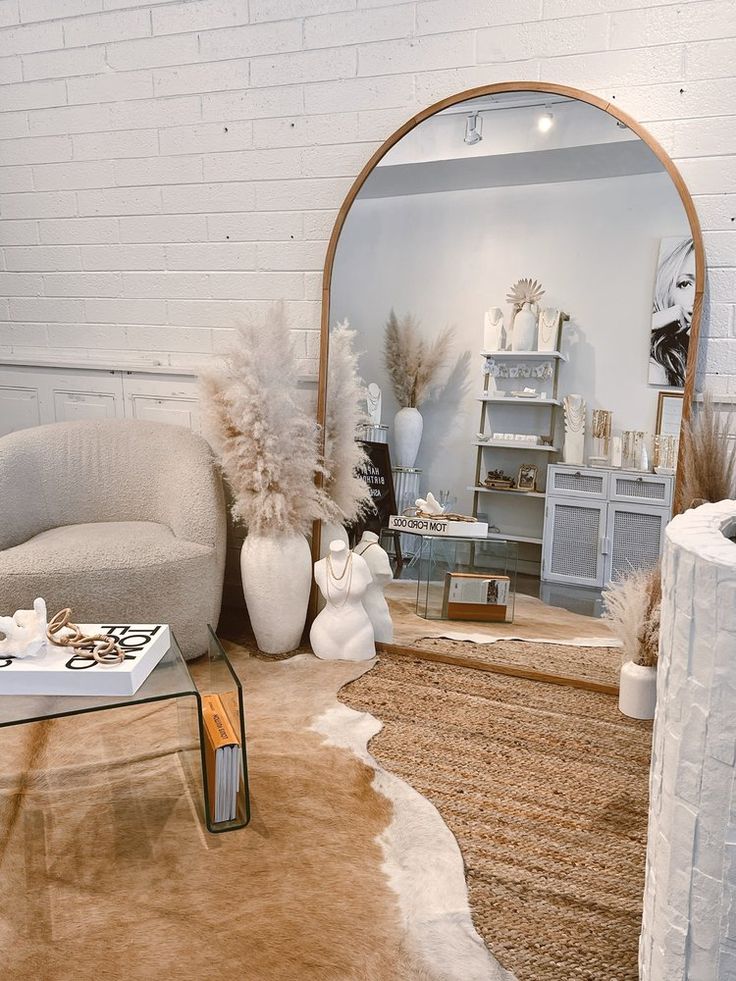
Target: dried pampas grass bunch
<point>708,458</point>
<point>413,365</point>
<point>345,416</point>
<point>632,606</point>
<point>266,443</point>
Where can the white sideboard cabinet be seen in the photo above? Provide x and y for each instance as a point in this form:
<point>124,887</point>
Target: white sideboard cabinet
<point>601,523</point>
<point>31,395</point>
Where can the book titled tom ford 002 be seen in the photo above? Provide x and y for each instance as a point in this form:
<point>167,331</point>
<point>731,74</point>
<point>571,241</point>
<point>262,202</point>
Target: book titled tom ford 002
<point>60,671</point>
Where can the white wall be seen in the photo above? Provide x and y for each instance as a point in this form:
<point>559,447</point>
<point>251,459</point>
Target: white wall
<point>447,257</point>
<point>170,166</point>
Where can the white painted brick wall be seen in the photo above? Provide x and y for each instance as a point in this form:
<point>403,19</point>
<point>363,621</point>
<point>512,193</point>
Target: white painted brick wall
<point>167,166</point>
<point>689,929</point>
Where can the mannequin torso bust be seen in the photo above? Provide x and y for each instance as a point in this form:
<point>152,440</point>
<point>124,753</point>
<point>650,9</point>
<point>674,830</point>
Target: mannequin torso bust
<point>342,630</point>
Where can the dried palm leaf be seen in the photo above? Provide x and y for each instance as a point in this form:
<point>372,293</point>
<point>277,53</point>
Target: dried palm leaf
<point>525,291</point>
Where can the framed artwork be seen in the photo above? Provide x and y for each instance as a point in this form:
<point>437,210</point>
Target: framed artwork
<point>672,312</point>
<point>669,413</point>
<point>526,479</point>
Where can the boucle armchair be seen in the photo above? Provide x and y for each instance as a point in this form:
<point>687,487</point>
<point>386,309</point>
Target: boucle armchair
<point>120,520</point>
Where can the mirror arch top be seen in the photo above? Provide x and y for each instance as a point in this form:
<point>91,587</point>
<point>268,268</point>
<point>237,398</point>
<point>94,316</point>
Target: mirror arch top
<point>546,88</point>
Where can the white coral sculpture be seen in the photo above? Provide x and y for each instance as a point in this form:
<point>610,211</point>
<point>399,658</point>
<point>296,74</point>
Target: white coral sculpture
<point>525,291</point>
<point>267,444</point>
<point>24,634</point>
<point>344,455</point>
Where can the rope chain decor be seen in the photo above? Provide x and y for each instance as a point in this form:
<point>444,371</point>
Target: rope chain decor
<point>90,647</point>
<point>415,512</point>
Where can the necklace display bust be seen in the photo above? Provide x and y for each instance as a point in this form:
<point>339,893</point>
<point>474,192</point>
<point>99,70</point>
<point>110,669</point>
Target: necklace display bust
<point>574,448</point>
<point>374,601</point>
<point>342,630</point>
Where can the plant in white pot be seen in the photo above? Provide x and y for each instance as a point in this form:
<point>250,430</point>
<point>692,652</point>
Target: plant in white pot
<point>632,606</point>
<point>524,297</point>
<point>344,455</point>
<point>268,449</point>
<point>413,368</point>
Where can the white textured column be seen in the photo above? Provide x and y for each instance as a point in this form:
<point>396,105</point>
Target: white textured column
<point>689,927</point>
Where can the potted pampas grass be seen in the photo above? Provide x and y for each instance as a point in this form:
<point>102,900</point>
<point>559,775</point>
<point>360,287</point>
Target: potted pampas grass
<point>632,606</point>
<point>413,367</point>
<point>708,460</point>
<point>268,447</point>
<point>343,454</point>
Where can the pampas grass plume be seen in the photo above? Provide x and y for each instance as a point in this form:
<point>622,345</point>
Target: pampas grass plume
<point>708,458</point>
<point>632,607</point>
<point>344,418</point>
<point>413,366</point>
<point>267,445</point>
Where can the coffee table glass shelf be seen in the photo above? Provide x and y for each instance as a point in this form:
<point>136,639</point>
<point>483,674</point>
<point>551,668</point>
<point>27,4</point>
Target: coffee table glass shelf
<point>170,679</point>
<point>462,578</point>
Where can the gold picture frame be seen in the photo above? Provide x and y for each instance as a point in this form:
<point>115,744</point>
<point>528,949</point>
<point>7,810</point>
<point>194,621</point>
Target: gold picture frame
<point>669,413</point>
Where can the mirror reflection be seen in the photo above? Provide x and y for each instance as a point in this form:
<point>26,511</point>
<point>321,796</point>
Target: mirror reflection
<point>520,273</point>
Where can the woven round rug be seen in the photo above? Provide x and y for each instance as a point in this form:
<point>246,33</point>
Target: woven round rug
<point>545,788</point>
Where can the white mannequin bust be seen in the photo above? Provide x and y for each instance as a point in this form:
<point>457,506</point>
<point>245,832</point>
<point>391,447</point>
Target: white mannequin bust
<point>343,630</point>
<point>373,403</point>
<point>374,601</point>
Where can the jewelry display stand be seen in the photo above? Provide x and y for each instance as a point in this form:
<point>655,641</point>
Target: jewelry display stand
<point>170,679</point>
<point>342,630</point>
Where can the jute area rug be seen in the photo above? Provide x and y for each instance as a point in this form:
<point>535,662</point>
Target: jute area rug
<point>107,873</point>
<point>545,788</point>
<point>543,639</point>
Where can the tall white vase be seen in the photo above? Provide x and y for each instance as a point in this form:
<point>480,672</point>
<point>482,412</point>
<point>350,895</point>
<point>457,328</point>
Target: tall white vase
<point>408,426</point>
<point>524,334</point>
<point>277,578</point>
<point>637,695</point>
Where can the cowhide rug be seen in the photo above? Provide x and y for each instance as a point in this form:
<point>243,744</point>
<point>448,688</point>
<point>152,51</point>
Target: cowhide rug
<point>344,874</point>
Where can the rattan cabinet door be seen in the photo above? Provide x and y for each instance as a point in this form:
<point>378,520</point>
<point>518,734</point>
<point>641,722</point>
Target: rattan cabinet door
<point>572,551</point>
<point>634,536</point>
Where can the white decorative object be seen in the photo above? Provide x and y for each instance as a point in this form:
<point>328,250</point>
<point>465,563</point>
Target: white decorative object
<point>373,401</point>
<point>342,630</point>
<point>635,455</point>
<point>374,601</point>
<point>276,572</point>
<point>637,694</point>
<point>331,531</point>
<point>24,634</point>
<point>687,930</point>
<point>408,426</point>
<point>574,449</point>
<point>539,369</point>
<point>439,525</point>
<point>549,329</point>
<point>429,505</point>
<point>524,334</point>
<point>524,295</point>
<point>616,451</point>
<point>493,329</point>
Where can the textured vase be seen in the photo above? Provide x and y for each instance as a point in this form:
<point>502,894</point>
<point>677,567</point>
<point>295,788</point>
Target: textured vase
<point>408,425</point>
<point>637,694</point>
<point>277,578</point>
<point>524,334</point>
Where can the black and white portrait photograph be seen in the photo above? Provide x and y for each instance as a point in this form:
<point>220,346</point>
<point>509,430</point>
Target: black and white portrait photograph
<point>672,312</point>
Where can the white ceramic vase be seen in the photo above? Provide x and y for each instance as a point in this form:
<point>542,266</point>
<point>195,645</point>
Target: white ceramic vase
<point>524,334</point>
<point>637,696</point>
<point>277,578</point>
<point>408,426</point>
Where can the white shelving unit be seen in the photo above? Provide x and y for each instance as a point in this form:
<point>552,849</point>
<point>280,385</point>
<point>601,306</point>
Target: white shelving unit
<point>490,400</point>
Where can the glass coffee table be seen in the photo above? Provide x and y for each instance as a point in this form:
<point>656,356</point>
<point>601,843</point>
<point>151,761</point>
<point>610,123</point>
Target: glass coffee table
<point>170,679</point>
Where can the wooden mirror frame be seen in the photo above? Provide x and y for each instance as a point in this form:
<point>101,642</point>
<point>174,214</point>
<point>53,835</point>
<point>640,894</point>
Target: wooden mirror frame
<point>545,87</point>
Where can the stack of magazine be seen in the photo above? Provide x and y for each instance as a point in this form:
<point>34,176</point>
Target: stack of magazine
<point>224,758</point>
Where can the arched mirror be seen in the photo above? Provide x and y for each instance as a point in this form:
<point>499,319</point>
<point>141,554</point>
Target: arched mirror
<point>523,270</point>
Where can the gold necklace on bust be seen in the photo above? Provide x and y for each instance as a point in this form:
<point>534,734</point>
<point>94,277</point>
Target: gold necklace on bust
<point>345,590</point>
<point>547,327</point>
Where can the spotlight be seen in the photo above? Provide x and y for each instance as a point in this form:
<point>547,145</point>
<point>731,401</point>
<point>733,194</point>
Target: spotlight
<point>545,122</point>
<point>473,129</point>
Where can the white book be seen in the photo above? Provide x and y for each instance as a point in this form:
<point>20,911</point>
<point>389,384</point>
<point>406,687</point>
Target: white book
<point>438,526</point>
<point>59,671</point>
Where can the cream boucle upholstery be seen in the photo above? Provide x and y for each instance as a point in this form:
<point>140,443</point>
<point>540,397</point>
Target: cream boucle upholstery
<point>119,519</point>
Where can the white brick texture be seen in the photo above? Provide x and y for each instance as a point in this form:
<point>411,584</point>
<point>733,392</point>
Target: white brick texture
<point>176,164</point>
<point>689,930</point>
